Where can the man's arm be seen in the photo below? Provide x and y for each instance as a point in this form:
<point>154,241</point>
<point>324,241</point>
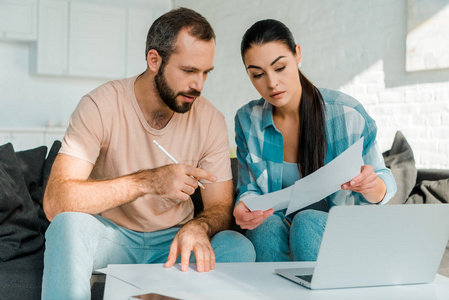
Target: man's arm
<point>70,189</point>
<point>195,235</point>
<point>218,203</point>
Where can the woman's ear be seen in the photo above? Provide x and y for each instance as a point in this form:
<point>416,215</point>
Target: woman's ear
<point>153,60</point>
<point>298,54</point>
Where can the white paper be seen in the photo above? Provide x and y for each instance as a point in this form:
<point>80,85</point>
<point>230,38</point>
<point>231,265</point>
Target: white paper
<point>276,200</point>
<point>226,281</point>
<point>315,187</point>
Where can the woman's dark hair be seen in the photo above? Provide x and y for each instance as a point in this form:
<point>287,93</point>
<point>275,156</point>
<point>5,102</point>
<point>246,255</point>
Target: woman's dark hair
<point>312,133</point>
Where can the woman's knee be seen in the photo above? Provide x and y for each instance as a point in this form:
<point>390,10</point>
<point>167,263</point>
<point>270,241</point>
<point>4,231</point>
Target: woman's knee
<point>273,228</point>
<point>310,220</point>
<point>271,239</point>
<point>231,246</point>
<point>306,234</point>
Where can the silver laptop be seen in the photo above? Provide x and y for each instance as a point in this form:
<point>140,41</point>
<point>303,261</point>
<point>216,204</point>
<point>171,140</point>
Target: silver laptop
<point>377,245</point>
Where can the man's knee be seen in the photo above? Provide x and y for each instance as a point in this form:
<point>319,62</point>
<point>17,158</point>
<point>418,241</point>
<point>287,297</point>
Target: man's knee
<point>231,246</point>
<point>70,225</point>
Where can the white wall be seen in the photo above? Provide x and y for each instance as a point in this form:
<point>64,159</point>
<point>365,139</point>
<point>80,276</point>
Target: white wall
<point>350,45</point>
<point>29,104</point>
<point>354,46</point>
<point>34,101</point>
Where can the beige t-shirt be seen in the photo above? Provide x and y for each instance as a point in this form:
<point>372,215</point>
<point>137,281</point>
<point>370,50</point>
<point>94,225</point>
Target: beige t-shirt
<point>109,130</point>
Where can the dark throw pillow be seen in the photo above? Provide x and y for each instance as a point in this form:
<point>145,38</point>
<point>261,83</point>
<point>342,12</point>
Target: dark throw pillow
<point>399,159</point>
<point>31,165</point>
<point>20,233</point>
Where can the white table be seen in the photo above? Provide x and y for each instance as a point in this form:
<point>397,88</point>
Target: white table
<point>247,281</point>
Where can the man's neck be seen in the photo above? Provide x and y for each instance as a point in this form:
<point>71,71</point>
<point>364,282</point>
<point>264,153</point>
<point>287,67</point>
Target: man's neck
<point>155,111</point>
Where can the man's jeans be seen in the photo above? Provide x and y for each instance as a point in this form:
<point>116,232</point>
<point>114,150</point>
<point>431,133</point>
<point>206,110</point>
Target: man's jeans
<point>78,243</point>
<point>276,240</point>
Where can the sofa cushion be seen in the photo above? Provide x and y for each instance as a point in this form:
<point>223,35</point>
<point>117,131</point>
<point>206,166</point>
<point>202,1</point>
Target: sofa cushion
<point>45,174</point>
<point>22,277</point>
<point>19,226</point>
<point>429,191</point>
<point>401,162</point>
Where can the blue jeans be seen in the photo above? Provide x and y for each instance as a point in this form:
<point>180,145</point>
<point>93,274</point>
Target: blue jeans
<point>78,243</point>
<point>276,240</point>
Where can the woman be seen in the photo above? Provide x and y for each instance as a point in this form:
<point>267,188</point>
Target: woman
<point>293,130</point>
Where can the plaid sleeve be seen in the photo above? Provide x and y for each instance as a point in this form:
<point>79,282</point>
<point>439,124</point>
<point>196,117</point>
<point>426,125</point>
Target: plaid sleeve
<point>371,153</point>
<point>347,122</point>
<point>246,183</point>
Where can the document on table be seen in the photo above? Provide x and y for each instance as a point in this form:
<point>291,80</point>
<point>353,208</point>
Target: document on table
<point>314,187</point>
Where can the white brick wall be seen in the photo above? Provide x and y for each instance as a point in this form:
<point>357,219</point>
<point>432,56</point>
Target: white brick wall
<point>354,46</point>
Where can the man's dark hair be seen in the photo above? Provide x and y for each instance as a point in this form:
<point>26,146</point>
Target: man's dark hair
<point>164,31</point>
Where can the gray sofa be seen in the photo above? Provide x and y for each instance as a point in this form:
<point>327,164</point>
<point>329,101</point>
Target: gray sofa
<point>23,176</point>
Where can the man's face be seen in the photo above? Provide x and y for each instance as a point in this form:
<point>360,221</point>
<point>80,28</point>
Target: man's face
<point>179,81</point>
<point>169,95</point>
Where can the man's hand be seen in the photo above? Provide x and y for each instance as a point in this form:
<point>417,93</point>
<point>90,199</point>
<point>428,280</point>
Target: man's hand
<point>247,219</point>
<point>174,182</point>
<point>195,235</point>
<point>192,237</point>
<point>368,184</point>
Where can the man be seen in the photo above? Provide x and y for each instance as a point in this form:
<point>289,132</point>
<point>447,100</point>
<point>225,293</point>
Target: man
<point>114,197</point>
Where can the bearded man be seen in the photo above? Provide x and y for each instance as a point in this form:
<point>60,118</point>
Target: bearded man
<point>115,198</point>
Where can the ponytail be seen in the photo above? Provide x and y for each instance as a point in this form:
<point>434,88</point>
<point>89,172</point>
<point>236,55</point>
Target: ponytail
<point>312,134</point>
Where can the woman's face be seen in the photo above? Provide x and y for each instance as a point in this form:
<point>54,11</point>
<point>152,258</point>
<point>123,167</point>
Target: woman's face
<point>273,70</point>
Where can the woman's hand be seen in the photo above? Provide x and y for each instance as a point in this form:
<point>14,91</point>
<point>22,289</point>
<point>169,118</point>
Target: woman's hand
<point>247,219</point>
<point>368,184</point>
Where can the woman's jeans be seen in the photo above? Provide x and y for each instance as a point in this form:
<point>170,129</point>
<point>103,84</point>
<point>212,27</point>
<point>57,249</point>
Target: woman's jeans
<point>276,240</point>
<point>78,243</point>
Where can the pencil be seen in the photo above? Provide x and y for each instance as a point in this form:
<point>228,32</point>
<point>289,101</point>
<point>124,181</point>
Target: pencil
<point>174,160</point>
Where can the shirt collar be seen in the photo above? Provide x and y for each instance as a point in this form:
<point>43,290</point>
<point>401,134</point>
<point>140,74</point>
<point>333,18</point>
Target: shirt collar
<point>267,115</point>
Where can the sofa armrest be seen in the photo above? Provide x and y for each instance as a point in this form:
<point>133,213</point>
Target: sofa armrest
<point>432,174</point>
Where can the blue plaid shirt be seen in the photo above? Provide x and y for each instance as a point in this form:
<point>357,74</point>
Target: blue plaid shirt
<point>260,146</point>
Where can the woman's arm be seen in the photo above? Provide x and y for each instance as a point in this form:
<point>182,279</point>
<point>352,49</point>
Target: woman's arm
<point>367,183</point>
<point>375,182</point>
<point>246,184</point>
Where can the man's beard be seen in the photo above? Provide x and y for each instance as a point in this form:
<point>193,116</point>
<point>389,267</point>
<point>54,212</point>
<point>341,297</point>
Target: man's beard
<point>168,95</point>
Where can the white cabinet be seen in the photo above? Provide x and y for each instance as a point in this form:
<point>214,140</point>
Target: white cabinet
<point>49,54</point>
<point>97,43</point>
<point>99,38</point>
<point>18,20</point>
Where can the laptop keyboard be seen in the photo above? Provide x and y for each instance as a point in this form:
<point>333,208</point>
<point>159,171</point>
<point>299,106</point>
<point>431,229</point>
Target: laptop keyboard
<point>307,278</point>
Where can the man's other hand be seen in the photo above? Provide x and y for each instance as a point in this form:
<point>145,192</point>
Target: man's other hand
<point>192,237</point>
